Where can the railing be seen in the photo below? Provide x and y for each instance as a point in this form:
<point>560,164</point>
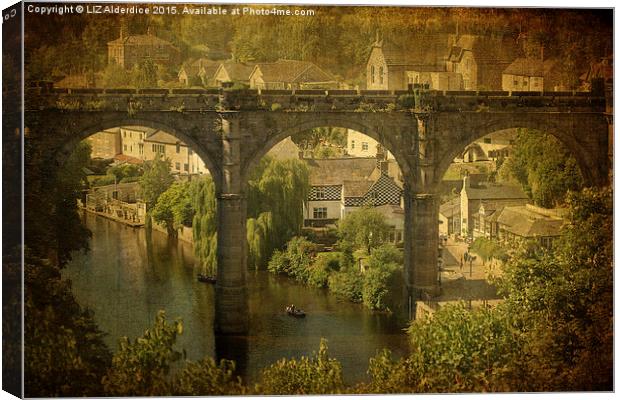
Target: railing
<point>182,100</point>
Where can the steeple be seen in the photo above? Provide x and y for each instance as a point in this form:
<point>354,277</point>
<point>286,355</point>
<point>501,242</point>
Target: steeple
<point>378,40</point>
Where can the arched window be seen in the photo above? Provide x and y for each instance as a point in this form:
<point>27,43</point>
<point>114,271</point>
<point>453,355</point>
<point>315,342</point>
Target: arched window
<point>381,75</point>
<point>372,73</point>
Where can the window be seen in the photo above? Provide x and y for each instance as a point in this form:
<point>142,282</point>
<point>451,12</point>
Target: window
<point>352,144</point>
<point>190,152</point>
<point>124,147</point>
<point>130,134</point>
<point>141,148</point>
<point>158,148</point>
<point>177,166</point>
<point>319,193</point>
<point>399,236</point>
<point>487,140</point>
<point>364,146</point>
<point>319,212</point>
<point>381,75</point>
<point>372,73</point>
<point>515,82</point>
<point>186,167</point>
<point>178,147</point>
<point>124,133</point>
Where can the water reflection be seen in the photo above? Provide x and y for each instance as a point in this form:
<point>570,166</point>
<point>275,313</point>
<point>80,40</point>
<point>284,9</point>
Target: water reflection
<point>126,279</point>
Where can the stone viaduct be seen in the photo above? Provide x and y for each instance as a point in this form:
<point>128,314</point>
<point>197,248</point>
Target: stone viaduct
<point>232,130</point>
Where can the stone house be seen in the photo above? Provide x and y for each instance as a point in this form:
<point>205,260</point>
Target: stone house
<point>291,74</point>
<point>480,60</point>
<point>229,72</point>
<point>129,50</point>
<point>199,72</point>
<point>450,217</point>
<point>343,185</point>
<point>531,75</point>
<point>436,80</point>
<point>513,224</point>
<point>105,144</point>
<point>491,196</point>
<point>183,160</point>
<point>388,64</point>
<point>132,139</point>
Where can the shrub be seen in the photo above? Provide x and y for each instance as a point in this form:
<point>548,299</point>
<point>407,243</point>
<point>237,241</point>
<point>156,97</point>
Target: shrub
<point>206,378</point>
<point>347,284</point>
<point>316,375</point>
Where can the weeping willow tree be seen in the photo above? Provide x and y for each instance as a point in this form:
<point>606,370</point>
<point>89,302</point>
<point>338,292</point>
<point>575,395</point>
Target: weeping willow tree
<point>277,190</point>
<point>204,224</point>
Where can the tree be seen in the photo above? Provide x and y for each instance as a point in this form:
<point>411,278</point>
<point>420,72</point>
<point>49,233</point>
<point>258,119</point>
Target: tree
<point>363,229</point>
<point>155,180</point>
<point>174,208</point>
<point>316,375</point>
<point>564,300</point>
<point>383,276</point>
<point>64,353</point>
<point>144,74</point>
<point>543,167</point>
<point>204,224</point>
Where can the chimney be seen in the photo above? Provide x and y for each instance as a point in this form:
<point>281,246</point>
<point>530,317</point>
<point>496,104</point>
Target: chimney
<point>124,32</point>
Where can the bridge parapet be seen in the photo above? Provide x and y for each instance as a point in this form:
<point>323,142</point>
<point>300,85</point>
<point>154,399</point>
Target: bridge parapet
<point>156,99</point>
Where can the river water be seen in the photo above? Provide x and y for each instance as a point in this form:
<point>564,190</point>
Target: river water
<point>126,279</point>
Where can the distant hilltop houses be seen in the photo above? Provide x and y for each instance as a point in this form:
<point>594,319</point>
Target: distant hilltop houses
<point>443,61</point>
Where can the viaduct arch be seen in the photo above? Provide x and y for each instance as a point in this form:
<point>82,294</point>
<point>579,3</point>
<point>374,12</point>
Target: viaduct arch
<point>232,130</point>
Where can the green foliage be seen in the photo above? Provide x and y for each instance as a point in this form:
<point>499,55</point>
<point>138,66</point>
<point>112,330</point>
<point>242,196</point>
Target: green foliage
<point>123,171</point>
<point>296,261</point>
<point>155,180</point>
<point>258,237</point>
<point>204,225</point>
<point>206,378</point>
<point>141,367</point>
<point>383,275</point>
<point>564,301</point>
<point>64,353</point>
<point>316,375</point>
<point>363,229</point>
<point>543,167</point>
<point>174,207</point>
<point>347,284</point>
<point>488,249</point>
<point>277,187</point>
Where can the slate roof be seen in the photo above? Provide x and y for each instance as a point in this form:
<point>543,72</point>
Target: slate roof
<point>237,71</point>
<point>530,67</point>
<point>144,40</point>
<point>491,192</point>
<point>284,150</point>
<point>163,137</point>
<point>451,208</point>
<point>356,188</point>
<point>525,222</point>
<point>427,50</point>
<point>292,71</point>
<point>148,131</point>
<point>335,171</point>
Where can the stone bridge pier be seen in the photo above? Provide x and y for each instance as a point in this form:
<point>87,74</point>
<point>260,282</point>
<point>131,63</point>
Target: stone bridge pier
<point>231,304</point>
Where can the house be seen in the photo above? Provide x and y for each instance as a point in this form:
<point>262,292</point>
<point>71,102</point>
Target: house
<point>450,217</point>
<point>291,74</point>
<point>232,72</point>
<point>200,72</point>
<point>531,75</point>
<point>388,64</point>
<point>132,139</point>
<point>129,50</point>
<point>105,144</point>
<point>604,69</point>
<point>491,196</point>
<point>436,80</point>
<point>513,224</point>
<point>343,185</point>
<point>285,150</point>
<point>360,145</point>
<point>480,60</point>
<point>183,160</point>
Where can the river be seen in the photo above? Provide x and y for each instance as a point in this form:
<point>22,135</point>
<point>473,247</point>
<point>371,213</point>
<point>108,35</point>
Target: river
<point>126,279</point>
